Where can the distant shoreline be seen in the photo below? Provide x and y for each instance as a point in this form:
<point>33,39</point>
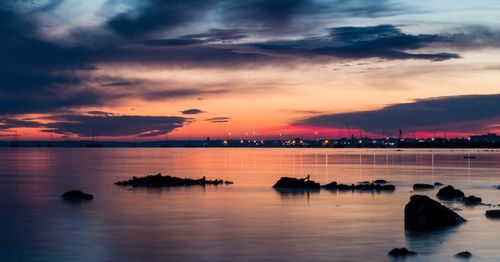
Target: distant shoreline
<point>393,143</point>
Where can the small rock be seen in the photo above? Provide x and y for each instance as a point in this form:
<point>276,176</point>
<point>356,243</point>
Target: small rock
<point>388,188</point>
<point>493,213</point>
<point>290,182</point>
<point>380,181</point>
<point>401,252</point>
<point>422,186</point>
<point>423,213</point>
<point>228,182</point>
<point>331,186</point>
<point>449,193</point>
<point>463,254</point>
<point>471,200</point>
<point>498,187</point>
<point>437,184</point>
<point>77,195</point>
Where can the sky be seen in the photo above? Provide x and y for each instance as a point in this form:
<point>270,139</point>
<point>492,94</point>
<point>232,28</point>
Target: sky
<point>248,69</point>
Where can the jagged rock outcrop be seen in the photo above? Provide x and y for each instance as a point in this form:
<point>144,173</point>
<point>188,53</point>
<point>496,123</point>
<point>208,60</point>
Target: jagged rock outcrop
<point>423,213</point>
<point>168,181</point>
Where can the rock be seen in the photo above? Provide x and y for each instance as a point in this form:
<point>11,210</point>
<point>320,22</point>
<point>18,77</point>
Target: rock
<point>388,188</point>
<point>380,181</point>
<point>449,193</point>
<point>168,181</point>
<point>471,200</point>
<point>228,182</point>
<point>401,252</point>
<point>463,254</point>
<point>437,184</point>
<point>76,195</point>
<point>423,213</point>
<point>422,186</point>
<point>345,187</point>
<point>359,187</point>
<point>330,186</point>
<point>493,213</point>
<point>498,187</point>
<point>290,182</point>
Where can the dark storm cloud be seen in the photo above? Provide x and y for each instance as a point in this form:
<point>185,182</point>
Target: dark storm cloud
<point>382,41</point>
<point>219,119</point>
<point>456,113</point>
<point>277,15</point>
<point>154,15</point>
<point>192,111</point>
<point>114,125</point>
<point>282,16</point>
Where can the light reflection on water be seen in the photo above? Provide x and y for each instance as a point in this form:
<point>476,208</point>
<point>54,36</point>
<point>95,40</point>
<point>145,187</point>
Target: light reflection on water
<point>247,221</point>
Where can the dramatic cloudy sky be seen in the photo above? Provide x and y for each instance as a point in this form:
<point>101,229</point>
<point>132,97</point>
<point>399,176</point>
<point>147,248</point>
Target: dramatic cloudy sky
<point>146,69</point>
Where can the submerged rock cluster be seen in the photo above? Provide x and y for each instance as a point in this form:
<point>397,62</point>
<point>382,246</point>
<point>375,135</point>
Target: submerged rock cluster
<point>306,184</point>
<point>360,187</point>
<point>168,181</point>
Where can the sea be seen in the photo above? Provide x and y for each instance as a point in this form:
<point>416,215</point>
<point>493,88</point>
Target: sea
<point>244,221</point>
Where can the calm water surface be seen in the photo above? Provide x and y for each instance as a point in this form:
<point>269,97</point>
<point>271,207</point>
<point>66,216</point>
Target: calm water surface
<point>247,221</point>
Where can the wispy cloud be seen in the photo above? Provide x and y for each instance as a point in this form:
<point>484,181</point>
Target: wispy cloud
<point>192,111</point>
<point>219,119</point>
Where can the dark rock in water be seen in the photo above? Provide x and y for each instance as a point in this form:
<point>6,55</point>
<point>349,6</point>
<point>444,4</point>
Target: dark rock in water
<point>77,195</point>
<point>471,200</point>
<point>449,193</point>
<point>380,181</point>
<point>423,213</point>
<point>422,186</point>
<point>168,181</point>
<point>290,182</point>
<point>331,186</point>
<point>493,213</point>
<point>359,187</point>
<point>463,254</point>
<point>388,188</point>
<point>437,184</point>
<point>498,187</point>
<point>228,182</point>
<point>401,252</point>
